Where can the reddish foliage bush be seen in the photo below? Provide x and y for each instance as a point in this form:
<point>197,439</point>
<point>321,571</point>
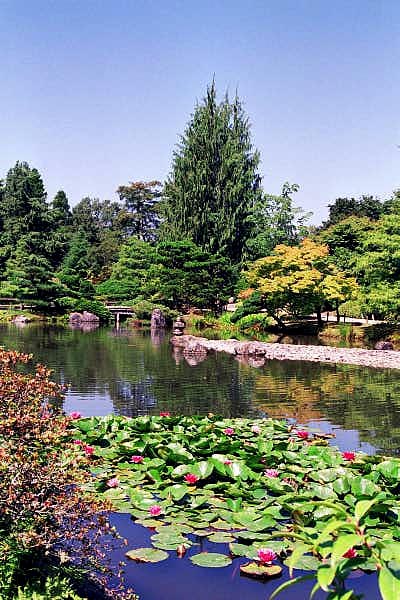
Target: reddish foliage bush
<point>44,517</point>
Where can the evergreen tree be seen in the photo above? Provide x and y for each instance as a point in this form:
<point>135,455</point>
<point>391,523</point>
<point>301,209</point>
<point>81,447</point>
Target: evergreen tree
<point>214,181</point>
<point>140,200</point>
<point>61,212</point>
<point>29,275</point>
<point>75,268</point>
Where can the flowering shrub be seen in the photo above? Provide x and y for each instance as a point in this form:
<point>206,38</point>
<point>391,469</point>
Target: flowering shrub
<point>46,524</point>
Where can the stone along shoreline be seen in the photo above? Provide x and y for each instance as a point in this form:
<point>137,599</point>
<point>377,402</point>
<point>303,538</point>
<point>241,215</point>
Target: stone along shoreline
<point>258,353</point>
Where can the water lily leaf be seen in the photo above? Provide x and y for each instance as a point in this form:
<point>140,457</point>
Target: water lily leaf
<point>203,469</point>
<point>362,507</point>
<point>360,486</point>
<point>289,583</point>
<point>389,584</point>
<point>150,555</point>
<point>262,524</point>
<point>220,524</point>
<point>390,469</point>
<point>260,571</point>
<point>211,559</point>
<point>218,537</point>
<point>243,550</point>
<point>177,491</point>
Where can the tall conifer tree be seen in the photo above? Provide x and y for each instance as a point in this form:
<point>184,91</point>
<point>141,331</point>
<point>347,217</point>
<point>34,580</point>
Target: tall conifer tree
<point>214,181</point>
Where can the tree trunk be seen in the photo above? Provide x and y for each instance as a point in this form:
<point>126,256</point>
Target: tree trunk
<point>319,317</point>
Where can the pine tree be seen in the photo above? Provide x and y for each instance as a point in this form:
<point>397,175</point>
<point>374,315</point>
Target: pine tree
<point>214,181</point>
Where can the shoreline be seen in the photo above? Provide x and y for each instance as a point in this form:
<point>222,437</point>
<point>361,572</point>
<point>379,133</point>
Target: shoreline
<point>257,353</point>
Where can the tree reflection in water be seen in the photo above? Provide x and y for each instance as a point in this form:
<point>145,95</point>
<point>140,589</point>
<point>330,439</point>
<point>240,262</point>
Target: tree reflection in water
<point>135,372</point>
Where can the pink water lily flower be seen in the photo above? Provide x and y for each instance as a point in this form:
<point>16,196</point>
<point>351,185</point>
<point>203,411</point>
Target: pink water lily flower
<point>271,473</point>
<point>351,553</point>
<point>229,431</point>
<point>191,478</point>
<point>165,414</point>
<point>266,555</point>
<point>349,456</point>
<point>113,482</point>
<point>88,450</point>
<point>302,434</point>
<point>155,510</point>
<point>78,442</point>
<point>256,429</point>
<point>137,459</point>
<point>227,462</point>
<point>75,415</point>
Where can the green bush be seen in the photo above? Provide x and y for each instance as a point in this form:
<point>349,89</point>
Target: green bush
<point>143,309</point>
<point>259,322</point>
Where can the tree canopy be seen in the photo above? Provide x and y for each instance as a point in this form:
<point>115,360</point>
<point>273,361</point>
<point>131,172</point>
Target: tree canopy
<point>214,181</point>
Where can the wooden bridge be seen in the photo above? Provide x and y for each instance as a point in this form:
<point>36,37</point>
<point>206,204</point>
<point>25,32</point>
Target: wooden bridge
<point>119,311</point>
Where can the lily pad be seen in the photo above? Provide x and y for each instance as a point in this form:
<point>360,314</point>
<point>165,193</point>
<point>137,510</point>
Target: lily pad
<point>259,571</point>
<point>147,555</point>
<point>211,560</point>
<point>220,537</point>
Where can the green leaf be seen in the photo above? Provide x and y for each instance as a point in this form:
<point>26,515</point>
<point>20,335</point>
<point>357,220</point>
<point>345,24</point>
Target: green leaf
<point>325,576</point>
<point>289,583</point>
<point>362,507</point>
<point>298,551</point>
<point>150,555</point>
<point>344,543</point>
<point>389,584</point>
<point>211,560</point>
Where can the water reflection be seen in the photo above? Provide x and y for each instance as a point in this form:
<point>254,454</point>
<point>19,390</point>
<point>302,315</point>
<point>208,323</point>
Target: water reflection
<point>134,372</point>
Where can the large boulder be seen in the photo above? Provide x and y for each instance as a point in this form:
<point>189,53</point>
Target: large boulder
<point>21,319</point>
<point>76,318</point>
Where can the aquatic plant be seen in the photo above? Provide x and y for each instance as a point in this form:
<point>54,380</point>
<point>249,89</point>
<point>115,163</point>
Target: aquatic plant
<point>281,496</point>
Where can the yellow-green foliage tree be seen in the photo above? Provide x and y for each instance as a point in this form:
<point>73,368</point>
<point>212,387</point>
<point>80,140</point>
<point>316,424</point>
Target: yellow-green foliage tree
<point>297,281</point>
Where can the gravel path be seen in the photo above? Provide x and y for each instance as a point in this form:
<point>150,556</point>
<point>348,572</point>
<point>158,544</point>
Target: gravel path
<point>381,359</point>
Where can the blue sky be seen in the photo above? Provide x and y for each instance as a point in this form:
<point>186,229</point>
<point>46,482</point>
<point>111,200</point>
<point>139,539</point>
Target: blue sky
<point>95,93</point>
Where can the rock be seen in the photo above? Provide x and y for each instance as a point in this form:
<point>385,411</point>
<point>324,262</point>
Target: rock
<point>157,319</point>
<point>384,345</point>
<point>255,352</point>
<point>21,319</point>
<point>76,318</point>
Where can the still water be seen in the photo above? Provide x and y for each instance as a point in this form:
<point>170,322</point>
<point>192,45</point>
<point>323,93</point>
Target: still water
<point>133,372</point>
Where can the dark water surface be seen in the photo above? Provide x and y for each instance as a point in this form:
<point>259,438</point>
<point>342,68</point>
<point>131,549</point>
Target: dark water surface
<point>133,373</point>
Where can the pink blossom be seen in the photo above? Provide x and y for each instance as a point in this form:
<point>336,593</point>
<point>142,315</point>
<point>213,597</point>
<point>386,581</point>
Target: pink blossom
<point>256,429</point>
<point>351,553</point>
<point>271,473</point>
<point>227,462</point>
<point>229,431</point>
<point>78,442</point>
<point>349,456</point>
<point>303,434</point>
<point>137,459</point>
<point>88,450</point>
<point>266,555</point>
<point>191,478</point>
<point>155,510</point>
<point>113,482</point>
<point>165,414</point>
<point>75,415</point>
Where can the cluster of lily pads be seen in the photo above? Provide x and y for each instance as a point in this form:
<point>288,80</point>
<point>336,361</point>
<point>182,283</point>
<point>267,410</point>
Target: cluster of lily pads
<point>270,492</point>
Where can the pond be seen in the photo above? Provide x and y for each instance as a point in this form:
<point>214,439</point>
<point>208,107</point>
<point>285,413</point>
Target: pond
<point>132,372</point>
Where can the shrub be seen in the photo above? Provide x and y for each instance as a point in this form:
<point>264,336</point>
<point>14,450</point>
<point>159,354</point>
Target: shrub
<point>143,309</point>
<point>46,523</point>
<point>258,322</point>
